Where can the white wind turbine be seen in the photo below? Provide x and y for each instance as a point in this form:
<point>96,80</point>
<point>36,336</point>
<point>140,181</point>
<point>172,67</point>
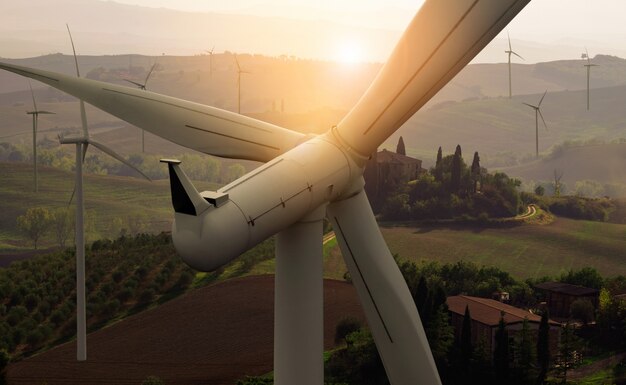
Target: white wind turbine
<point>306,178</point>
<point>210,52</point>
<point>239,72</point>
<point>538,113</point>
<point>82,142</point>
<point>511,52</point>
<point>588,65</point>
<point>35,113</point>
<point>142,86</point>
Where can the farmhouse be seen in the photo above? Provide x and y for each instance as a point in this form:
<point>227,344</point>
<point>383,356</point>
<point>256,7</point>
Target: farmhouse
<point>485,315</point>
<point>559,297</point>
<point>386,170</point>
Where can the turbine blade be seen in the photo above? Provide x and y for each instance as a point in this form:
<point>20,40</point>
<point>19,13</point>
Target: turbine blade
<point>32,93</point>
<point>542,119</point>
<point>196,126</point>
<point>388,305</point>
<point>544,95</point>
<point>145,83</point>
<point>135,83</point>
<point>46,112</point>
<point>117,156</point>
<point>85,146</point>
<point>530,105</point>
<point>442,38</point>
<point>237,61</point>
<point>509,37</point>
<point>73,50</point>
<point>515,53</point>
<point>72,196</point>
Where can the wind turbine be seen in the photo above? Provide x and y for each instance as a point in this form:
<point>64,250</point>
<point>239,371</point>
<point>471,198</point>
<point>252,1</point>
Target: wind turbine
<point>239,72</point>
<point>142,86</point>
<point>306,178</point>
<point>538,113</point>
<point>588,65</point>
<point>511,52</point>
<point>210,52</point>
<point>35,113</point>
<point>82,142</point>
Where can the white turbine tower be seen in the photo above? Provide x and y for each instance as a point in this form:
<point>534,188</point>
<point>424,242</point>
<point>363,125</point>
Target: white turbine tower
<point>239,72</point>
<point>210,52</point>
<point>82,142</point>
<point>538,113</point>
<point>588,66</point>
<point>306,178</point>
<point>35,113</point>
<point>142,86</point>
<point>511,52</point>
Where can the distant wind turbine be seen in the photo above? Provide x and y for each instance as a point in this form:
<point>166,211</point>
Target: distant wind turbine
<point>143,87</point>
<point>239,72</point>
<point>511,52</point>
<point>82,142</point>
<point>210,52</point>
<point>35,113</point>
<point>538,113</point>
<point>588,65</point>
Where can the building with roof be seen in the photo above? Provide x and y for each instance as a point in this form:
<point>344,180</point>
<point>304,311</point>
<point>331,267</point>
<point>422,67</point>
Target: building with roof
<point>485,316</point>
<point>559,297</point>
<point>386,170</point>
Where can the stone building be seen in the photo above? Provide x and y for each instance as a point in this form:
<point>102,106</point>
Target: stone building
<point>486,313</point>
<point>559,297</point>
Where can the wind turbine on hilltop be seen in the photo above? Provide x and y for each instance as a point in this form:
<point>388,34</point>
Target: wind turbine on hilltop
<point>35,113</point>
<point>210,52</point>
<point>239,72</point>
<point>511,52</point>
<point>142,86</point>
<point>538,113</point>
<point>306,178</point>
<point>588,65</point>
<point>82,142</point>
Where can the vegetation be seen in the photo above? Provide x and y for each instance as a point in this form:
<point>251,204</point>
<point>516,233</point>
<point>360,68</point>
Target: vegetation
<point>451,189</point>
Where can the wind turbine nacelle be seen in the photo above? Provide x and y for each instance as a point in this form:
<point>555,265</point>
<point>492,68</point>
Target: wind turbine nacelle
<point>214,227</point>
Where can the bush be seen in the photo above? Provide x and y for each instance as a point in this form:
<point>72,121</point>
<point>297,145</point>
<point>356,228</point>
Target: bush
<point>346,326</point>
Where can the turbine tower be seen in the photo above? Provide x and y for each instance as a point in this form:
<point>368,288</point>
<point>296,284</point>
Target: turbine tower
<point>142,86</point>
<point>82,142</point>
<point>588,65</point>
<point>210,52</point>
<point>239,72</point>
<point>538,113</point>
<point>35,113</point>
<point>306,178</point>
<point>511,52</point>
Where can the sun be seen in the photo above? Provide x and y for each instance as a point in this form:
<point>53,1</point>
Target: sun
<point>349,51</point>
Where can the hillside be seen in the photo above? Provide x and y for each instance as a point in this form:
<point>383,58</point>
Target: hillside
<point>603,163</point>
<point>526,251</point>
<point>215,350</point>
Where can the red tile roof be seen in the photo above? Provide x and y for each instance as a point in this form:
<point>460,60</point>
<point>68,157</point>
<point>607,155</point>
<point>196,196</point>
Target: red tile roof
<point>385,156</point>
<point>488,311</point>
<point>566,288</point>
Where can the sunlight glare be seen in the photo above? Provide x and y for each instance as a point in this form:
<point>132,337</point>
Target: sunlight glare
<point>349,51</point>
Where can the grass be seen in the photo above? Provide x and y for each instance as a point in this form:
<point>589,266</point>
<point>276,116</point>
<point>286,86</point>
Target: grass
<point>524,251</point>
<point>106,198</point>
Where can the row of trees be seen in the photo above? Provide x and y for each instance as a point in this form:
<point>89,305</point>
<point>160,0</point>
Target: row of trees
<point>197,166</point>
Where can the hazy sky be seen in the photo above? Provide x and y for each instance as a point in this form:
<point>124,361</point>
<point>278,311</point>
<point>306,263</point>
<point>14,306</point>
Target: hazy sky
<point>598,24</point>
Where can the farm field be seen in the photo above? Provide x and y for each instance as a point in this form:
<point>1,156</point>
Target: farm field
<point>214,350</point>
<point>525,251</point>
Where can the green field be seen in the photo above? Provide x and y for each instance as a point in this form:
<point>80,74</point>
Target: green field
<point>106,198</point>
<point>524,251</point>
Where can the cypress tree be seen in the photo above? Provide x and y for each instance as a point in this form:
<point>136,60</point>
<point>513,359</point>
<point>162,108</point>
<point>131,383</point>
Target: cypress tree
<point>438,165</point>
<point>475,170</point>
<point>466,338</point>
<point>543,348</point>
<point>400,149</point>
<point>455,172</point>
<point>501,353</point>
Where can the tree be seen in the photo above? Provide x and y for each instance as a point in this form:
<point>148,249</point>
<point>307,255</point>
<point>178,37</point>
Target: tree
<point>35,223</point>
<point>475,170</point>
<point>345,327</point>
<point>455,171</point>
<point>152,380</point>
<point>235,171</point>
<point>543,348</point>
<point>582,309</point>
<point>4,361</point>
<point>400,149</point>
<point>525,354</point>
<point>501,353</point>
<point>62,223</point>
<point>438,165</point>
<point>540,190</point>
<point>440,333</point>
<point>558,174</point>
<point>567,351</point>
<point>466,338</point>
